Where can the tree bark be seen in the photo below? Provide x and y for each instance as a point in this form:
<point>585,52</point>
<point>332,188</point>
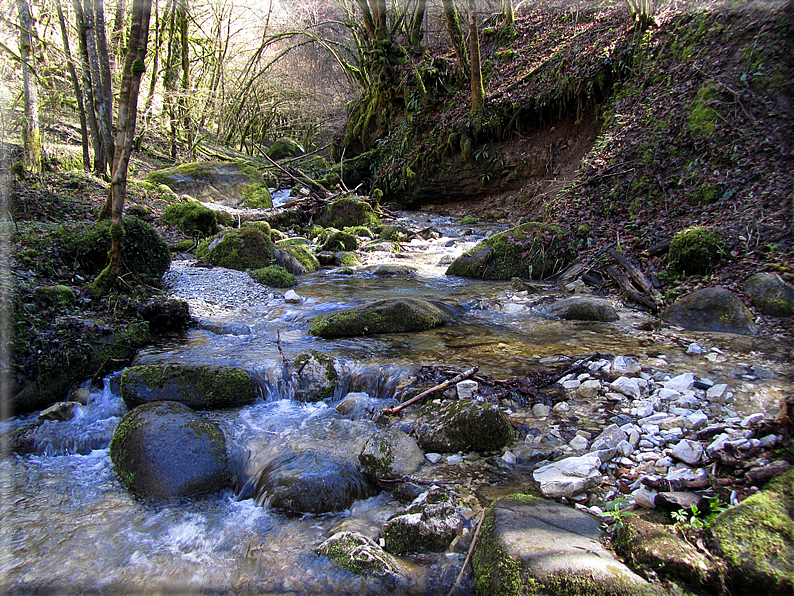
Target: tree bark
<point>104,64</point>
<point>416,23</point>
<point>456,36</point>
<point>477,89</point>
<point>128,110</point>
<point>508,14</point>
<point>117,37</point>
<point>88,87</point>
<point>31,133</point>
<point>103,114</point>
<point>76,86</point>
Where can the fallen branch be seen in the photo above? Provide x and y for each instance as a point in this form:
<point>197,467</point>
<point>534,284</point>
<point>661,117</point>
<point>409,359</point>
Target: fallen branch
<point>637,275</point>
<point>468,555</point>
<point>625,284</point>
<point>441,387</point>
<point>579,364</point>
<point>291,175</point>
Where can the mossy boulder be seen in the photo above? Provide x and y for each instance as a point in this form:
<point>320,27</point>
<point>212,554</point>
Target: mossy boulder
<point>358,554</point>
<point>284,148</point>
<point>393,315</point>
<point>462,425</point>
<point>166,314</point>
<point>192,218</point>
<point>530,546</point>
<point>426,526</point>
<point>531,250</point>
<point>58,296</point>
<point>387,270</point>
<point>241,249</point>
<point>394,233</point>
<point>711,309</point>
<point>338,240</point>
<point>770,294</point>
<point>262,226</point>
<point>234,184</point>
<point>316,377</point>
<point>390,454</point>
<point>694,251</point>
<point>197,386</point>
<point>659,550</point>
<point>274,276</point>
<point>583,308</point>
<point>145,253</point>
<point>165,450</point>
<point>756,539</point>
<point>348,212</point>
<point>360,231</point>
<point>297,259</point>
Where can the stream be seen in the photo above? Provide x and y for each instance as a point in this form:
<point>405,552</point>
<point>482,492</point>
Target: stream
<point>70,527</point>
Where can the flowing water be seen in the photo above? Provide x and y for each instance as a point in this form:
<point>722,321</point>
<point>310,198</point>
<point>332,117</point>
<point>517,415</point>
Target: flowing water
<point>70,527</point>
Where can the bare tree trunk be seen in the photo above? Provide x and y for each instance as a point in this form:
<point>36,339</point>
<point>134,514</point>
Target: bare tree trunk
<point>104,62</point>
<point>31,133</point>
<point>417,21</point>
<point>507,12</point>
<point>76,85</point>
<point>477,89</point>
<point>128,111</point>
<point>88,86</point>
<point>171,79</point>
<point>184,108</point>
<point>103,114</point>
<point>117,37</point>
<point>456,36</point>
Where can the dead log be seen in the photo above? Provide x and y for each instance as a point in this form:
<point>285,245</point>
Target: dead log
<point>637,275</point>
<point>625,284</point>
<point>440,387</point>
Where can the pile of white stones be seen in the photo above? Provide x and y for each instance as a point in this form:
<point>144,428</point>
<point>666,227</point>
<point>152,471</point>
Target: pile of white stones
<point>678,426</point>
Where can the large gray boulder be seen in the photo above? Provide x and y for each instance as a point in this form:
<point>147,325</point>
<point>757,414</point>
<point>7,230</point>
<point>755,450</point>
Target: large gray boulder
<point>390,454</point>
<point>770,294</point>
<point>165,450</point>
<point>583,308</point>
<point>711,309</point>
<point>462,425</point>
<point>531,546</point>
<point>197,386</point>
<point>315,378</point>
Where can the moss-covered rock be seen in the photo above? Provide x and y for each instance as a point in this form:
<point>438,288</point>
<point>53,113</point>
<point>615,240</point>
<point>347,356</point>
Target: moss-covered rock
<point>166,314</point>
<point>192,218</point>
<point>390,454</point>
<point>583,308</point>
<point>262,226</point>
<point>284,148</point>
<point>145,253</point>
<point>58,296</point>
<point>348,212</point>
<point>358,554</point>
<point>241,249</point>
<point>164,450</point>
<point>429,527</point>
<point>711,309</point>
<point>233,184</point>
<point>301,258</point>
<point>360,231</point>
<point>531,250</point>
<point>694,251</point>
<point>197,386</point>
<point>756,538</point>
<point>462,425</point>
<point>395,315</point>
<point>394,233</point>
<point>338,240</point>
<point>386,270</point>
<point>770,294</point>
<point>274,276</point>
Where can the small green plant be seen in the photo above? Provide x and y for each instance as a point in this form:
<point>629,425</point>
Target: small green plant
<point>693,519</point>
<point>615,517</point>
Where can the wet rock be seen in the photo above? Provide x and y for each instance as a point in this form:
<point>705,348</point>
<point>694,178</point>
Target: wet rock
<point>390,454</point>
<point>62,411</point>
<point>652,546</point>
<point>675,501</point>
<point>296,259</point>
<point>165,450</point>
<point>385,270</point>
<point>347,212</point>
<point>240,249</point>
<point>316,377</point>
<point>583,308</point>
<point>717,393</point>
<point>766,473</point>
<point>610,437</point>
<point>645,497</point>
<point>569,476</point>
<point>360,405</point>
<point>711,309</point>
<point>504,255</point>
<point>431,523</point>
<point>360,555</point>
<point>196,386</point>
<point>394,315</point>
<point>624,366</point>
<point>311,482</point>
<point>466,389</point>
<point>164,315</point>
<point>223,327</point>
<point>589,389</point>
<point>337,240</point>
<point>528,545</point>
<point>462,425</point>
<point>757,540</point>
<point>770,294</point>
<point>284,147</point>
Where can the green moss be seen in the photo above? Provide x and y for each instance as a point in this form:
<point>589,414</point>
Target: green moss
<point>55,296</point>
<point>241,249</point>
<point>225,219</point>
<point>304,256</point>
<point>262,226</point>
<point>394,233</point>
<point>315,231</point>
<point>284,148</point>
<point>338,240</point>
<point>360,231</point>
<point>192,218</point>
<point>705,194</point>
<point>384,316</point>
<point>274,276</point>
<point>256,196</point>
<point>495,573</point>
<point>348,211</point>
<point>183,246</point>
<point>347,259</point>
<point>694,251</point>
<point>703,117</point>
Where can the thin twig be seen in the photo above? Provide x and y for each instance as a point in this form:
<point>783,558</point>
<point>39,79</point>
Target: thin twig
<point>442,386</point>
<point>468,555</point>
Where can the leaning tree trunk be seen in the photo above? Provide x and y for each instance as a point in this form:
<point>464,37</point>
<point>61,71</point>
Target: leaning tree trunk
<point>477,89</point>
<point>456,36</point>
<point>31,133</point>
<point>125,133</point>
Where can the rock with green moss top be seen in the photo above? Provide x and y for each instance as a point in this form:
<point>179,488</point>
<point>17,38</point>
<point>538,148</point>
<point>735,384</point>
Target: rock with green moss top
<point>390,454</point>
<point>234,184</point>
<point>197,386</point>
<point>166,314</point>
<point>348,212</point>
<point>346,259</point>
<point>225,219</point>
<point>192,218</point>
<point>315,231</point>
<point>770,294</point>
<point>296,258</point>
<point>274,276</point>
<point>262,226</point>
<point>164,450</point>
<point>386,270</point>
<point>430,523</point>
<point>711,309</point>
<point>338,240</point>
<point>462,425</point>
<point>394,233</point>
<point>146,254</point>
<point>360,231</point>
<point>583,308</point>
<point>694,251</point>
<point>316,377</point>
<point>531,250</point>
<point>58,296</point>
<point>653,547</point>
<point>284,148</point>
<point>381,246</point>
<point>756,539</point>
<point>531,546</point>
<point>358,554</point>
<point>241,249</point>
<point>393,315</point>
